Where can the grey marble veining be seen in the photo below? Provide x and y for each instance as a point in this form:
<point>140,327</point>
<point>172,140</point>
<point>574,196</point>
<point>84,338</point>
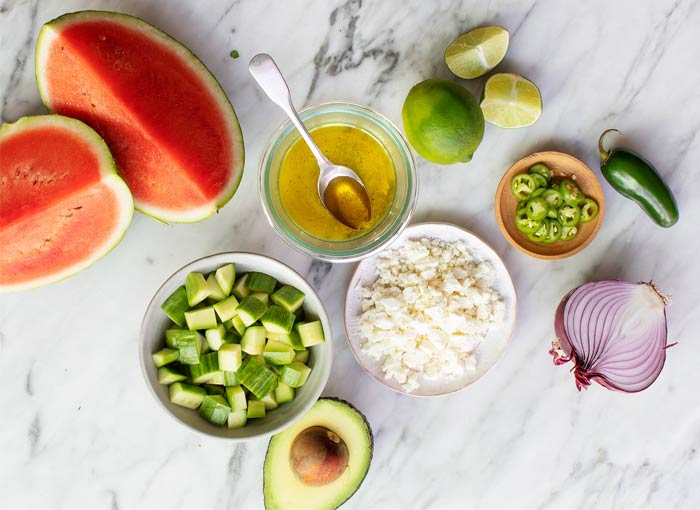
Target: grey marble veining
<point>78,427</point>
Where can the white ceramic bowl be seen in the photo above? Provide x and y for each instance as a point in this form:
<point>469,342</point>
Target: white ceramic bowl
<point>152,338</point>
<point>490,349</point>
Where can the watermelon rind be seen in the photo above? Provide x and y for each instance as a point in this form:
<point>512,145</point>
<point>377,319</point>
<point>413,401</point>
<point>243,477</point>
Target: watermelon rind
<point>109,177</point>
<point>52,29</point>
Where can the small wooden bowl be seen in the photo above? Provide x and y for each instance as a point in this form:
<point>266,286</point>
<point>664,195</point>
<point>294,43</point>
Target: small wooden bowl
<point>563,166</point>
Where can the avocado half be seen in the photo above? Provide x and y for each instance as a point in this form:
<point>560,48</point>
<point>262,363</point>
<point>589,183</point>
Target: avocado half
<point>282,487</point>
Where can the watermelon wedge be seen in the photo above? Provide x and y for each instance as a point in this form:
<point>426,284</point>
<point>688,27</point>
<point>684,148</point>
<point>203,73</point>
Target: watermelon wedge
<point>62,204</point>
<point>167,121</point>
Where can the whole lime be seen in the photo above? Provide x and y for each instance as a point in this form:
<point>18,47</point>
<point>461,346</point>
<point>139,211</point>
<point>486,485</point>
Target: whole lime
<point>443,121</point>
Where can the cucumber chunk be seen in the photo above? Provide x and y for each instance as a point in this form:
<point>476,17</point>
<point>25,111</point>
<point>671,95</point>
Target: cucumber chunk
<point>311,333</point>
<point>214,389</point>
<point>216,378</point>
<point>260,282</point>
<point>303,357</point>
<point>214,409</point>
<point>202,318</point>
<point>288,298</point>
<point>215,291</point>
<point>278,320</point>
<point>208,365</point>
<point>284,393</point>
<point>250,310</point>
<point>256,409</point>
<point>253,340</point>
<point>186,395</point>
<point>295,374</point>
<point>189,343</point>
<point>230,357</point>
<point>270,401</point>
<point>169,375</point>
<point>237,419</point>
<point>215,337</point>
<point>176,305</point>
<point>165,356</point>
<point>236,398</point>
<point>226,309</point>
<point>230,378</point>
<point>225,277</point>
<point>278,353</point>
<point>197,288</point>
<point>257,378</point>
<point>239,289</point>
<point>238,325</point>
<point>261,296</point>
<point>292,338</point>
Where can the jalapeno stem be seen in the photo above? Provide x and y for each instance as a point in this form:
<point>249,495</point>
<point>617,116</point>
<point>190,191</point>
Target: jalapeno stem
<point>605,154</point>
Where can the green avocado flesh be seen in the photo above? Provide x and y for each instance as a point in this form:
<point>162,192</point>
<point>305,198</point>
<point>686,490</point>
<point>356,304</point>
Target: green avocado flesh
<point>282,488</point>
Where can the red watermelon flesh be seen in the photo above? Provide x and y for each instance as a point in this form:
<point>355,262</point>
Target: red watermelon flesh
<point>170,127</point>
<point>62,204</point>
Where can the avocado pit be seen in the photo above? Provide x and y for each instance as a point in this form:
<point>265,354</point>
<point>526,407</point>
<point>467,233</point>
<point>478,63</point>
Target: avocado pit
<point>318,456</point>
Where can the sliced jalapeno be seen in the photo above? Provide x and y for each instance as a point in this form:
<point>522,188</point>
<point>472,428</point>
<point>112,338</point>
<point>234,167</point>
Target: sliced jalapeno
<point>589,210</point>
<point>570,192</point>
<point>522,185</point>
<point>537,192</point>
<point>568,233</point>
<point>542,169</point>
<point>537,208</point>
<point>526,224</point>
<point>553,198</point>
<point>569,215</point>
<point>540,180</point>
<point>539,234</point>
<point>553,232</point>
<point>552,214</point>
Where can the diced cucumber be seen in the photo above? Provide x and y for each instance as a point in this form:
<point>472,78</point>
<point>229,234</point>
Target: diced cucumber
<point>214,389</point>
<point>215,409</point>
<point>277,320</point>
<point>189,343</point>
<point>186,395</point>
<point>257,378</point>
<point>165,356</point>
<point>238,325</point>
<point>230,378</point>
<point>239,289</point>
<point>169,375</point>
<point>215,337</point>
<point>270,401</point>
<point>284,393</point>
<point>226,309</point>
<point>288,298</point>
<point>232,338</point>
<point>292,338</point>
<point>295,374</point>
<point>278,353</point>
<point>208,365</point>
<point>261,296</point>
<point>300,313</point>
<point>256,409</point>
<point>253,340</point>
<point>216,378</point>
<point>250,310</point>
<point>237,419</point>
<point>197,288</point>
<point>225,277</point>
<point>202,318</point>
<point>236,398</point>
<point>230,357</point>
<point>176,305</point>
<point>260,282</point>
<point>215,291</point>
<point>311,333</point>
<point>302,357</point>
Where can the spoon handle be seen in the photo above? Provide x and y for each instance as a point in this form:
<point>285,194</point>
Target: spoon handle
<point>270,79</point>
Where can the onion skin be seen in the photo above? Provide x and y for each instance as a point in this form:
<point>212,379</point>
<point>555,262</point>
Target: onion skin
<point>604,323</point>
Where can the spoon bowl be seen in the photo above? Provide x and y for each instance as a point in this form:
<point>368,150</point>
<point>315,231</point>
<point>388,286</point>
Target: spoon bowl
<point>340,189</point>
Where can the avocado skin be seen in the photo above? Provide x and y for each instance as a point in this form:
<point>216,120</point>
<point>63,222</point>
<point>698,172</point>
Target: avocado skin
<point>635,178</point>
<point>371,445</point>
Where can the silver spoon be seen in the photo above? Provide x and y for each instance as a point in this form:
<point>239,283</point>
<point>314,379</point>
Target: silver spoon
<point>333,180</point>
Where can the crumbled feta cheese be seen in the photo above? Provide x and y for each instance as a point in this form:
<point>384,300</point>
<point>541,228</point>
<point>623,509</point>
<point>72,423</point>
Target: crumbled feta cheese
<point>428,310</point>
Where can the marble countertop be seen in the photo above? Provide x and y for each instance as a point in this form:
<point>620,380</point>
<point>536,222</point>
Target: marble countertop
<point>79,429</point>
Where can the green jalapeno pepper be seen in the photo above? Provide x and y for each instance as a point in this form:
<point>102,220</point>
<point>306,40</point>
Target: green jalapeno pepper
<point>589,210</point>
<point>569,215</point>
<point>635,178</point>
<point>541,169</point>
<point>570,192</point>
<point>522,185</point>
<point>568,233</point>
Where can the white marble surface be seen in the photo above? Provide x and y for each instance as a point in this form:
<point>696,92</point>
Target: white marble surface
<point>78,428</point>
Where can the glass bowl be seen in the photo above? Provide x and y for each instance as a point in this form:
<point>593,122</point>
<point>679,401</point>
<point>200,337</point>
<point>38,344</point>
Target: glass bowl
<point>386,229</point>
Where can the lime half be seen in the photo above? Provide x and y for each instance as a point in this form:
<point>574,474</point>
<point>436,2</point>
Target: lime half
<point>477,52</point>
<point>511,101</point>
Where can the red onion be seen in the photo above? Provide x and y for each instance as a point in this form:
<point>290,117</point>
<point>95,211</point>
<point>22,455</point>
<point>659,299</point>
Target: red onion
<point>614,332</point>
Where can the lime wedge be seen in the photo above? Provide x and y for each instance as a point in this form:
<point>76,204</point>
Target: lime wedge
<point>511,101</point>
<point>477,52</point>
